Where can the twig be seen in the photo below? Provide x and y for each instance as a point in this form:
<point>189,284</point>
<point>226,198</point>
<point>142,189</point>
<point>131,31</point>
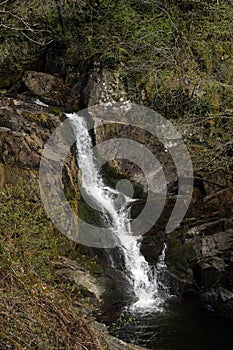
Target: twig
<point>4,2</point>
<point>209,181</point>
<point>220,149</point>
<point>213,195</point>
<point>37,42</point>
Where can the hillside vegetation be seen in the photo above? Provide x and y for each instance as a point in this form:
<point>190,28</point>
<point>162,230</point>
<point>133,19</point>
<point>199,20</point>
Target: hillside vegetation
<point>173,56</point>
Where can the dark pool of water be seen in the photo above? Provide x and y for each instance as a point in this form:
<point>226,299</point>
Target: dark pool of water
<point>182,325</point>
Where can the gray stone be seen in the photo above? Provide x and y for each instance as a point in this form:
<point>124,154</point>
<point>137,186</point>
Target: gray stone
<point>73,272</point>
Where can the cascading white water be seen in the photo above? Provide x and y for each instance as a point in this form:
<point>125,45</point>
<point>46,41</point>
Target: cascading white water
<point>141,276</point>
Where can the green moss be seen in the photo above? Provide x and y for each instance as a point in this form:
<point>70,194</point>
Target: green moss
<point>91,264</point>
<point>190,254</point>
<point>39,118</point>
<point>88,214</point>
<point>176,254</point>
<point>55,110</point>
<point>5,82</point>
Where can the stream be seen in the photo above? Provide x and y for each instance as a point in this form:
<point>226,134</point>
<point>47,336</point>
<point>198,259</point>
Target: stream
<point>184,324</point>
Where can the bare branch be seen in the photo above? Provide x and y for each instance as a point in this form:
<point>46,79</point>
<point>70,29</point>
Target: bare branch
<point>37,42</point>
<point>36,31</point>
<point>4,2</point>
<point>19,18</point>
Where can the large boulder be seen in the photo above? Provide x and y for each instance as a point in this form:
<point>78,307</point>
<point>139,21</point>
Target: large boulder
<point>51,89</point>
<point>71,271</point>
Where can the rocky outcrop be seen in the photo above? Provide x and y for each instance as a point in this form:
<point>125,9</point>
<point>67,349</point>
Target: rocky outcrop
<point>51,89</point>
<point>71,271</point>
<point>24,128</point>
<point>145,142</point>
<point>97,86</point>
<point>195,262</point>
<point>214,261</point>
<point>200,252</point>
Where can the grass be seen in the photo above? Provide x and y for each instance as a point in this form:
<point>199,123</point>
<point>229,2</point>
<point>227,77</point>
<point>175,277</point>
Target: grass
<point>36,312</point>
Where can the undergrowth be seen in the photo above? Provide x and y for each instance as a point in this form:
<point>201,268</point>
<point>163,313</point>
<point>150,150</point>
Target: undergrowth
<point>35,311</point>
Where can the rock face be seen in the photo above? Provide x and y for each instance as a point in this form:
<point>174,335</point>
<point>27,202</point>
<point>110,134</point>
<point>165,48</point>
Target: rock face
<point>201,250</point>
<point>97,86</point>
<point>145,142</point>
<point>199,255</point>
<point>24,128</point>
<point>214,264</point>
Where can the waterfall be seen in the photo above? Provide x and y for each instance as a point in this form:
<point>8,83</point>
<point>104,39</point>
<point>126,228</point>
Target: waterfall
<point>141,276</point>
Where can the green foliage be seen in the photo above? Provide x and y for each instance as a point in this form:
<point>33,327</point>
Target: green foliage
<point>111,30</point>
<point>164,51</point>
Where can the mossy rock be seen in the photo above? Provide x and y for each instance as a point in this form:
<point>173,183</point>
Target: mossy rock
<point>176,254</point>
<point>88,214</point>
<point>39,118</point>
<point>190,254</point>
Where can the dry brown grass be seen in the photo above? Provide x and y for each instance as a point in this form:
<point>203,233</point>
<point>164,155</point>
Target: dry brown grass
<point>35,312</point>
<point>35,316</point>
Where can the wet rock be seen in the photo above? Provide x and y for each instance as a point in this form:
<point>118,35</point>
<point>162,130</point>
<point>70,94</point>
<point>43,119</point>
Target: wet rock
<point>118,293</point>
<point>151,248</point>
